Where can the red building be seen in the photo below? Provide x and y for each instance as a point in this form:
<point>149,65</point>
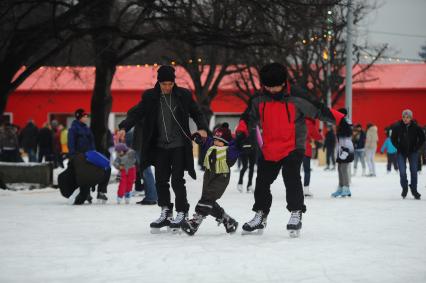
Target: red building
<point>55,93</point>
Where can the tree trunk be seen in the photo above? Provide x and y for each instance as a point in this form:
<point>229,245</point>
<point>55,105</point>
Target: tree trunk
<point>105,62</point>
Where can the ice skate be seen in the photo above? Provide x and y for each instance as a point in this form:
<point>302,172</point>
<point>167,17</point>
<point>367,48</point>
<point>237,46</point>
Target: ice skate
<point>176,223</point>
<point>306,192</point>
<point>191,226</point>
<point>404,193</point>
<point>119,200</point>
<point>415,193</point>
<point>240,188</point>
<point>256,225</point>
<point>163,221</point>
<point>102,198</point>
<point>346,192</point>
<point>295,224</point>
<point>250,189</point>
<point>337,193</point>
<point>230,224</point>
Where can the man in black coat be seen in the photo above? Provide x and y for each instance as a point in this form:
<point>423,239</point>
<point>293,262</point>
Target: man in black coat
<point>407,137</point>
<point>28,140</point>
<point>166,143</point>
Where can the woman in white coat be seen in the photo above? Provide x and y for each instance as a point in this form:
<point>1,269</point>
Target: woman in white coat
<point>370,148</point>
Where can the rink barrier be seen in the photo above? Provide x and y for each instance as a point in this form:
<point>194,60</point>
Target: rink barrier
<point>39,173</point>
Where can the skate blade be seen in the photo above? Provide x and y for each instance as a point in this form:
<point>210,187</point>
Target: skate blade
<point>101,201</point>
<point>255,232</point>
<point>294,233</point>
<point>175,231</point>
<point>159,231</point>
<point>74,195</point>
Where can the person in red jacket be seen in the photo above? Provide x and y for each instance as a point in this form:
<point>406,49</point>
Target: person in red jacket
<point>313,134</point>
<point>280,114</point>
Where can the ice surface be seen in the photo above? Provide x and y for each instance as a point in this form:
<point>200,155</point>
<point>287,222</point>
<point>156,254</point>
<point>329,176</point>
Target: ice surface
<point>375,236</point>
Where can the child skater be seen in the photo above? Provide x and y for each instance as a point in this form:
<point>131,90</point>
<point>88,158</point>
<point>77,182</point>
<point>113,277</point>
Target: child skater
<point>345,155</point>
<point>125,162</point>
<point>221,154</point>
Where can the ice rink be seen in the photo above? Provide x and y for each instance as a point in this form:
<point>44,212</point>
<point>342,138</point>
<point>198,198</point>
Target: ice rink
<point>374,236</point>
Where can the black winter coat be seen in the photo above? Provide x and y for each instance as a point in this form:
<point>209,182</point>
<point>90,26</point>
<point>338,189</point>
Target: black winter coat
<point>146,112</point>
<point>407,139</point>
<point>28,136</point>
<point>45,138</point>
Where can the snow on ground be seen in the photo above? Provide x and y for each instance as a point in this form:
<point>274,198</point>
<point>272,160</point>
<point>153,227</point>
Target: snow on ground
<point>375,236</point>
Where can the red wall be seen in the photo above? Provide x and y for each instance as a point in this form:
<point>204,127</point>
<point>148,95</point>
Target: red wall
<point>380,107</point>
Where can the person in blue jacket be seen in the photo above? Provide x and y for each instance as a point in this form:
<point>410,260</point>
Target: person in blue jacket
<point>390,151</point>
<point>81,140</point>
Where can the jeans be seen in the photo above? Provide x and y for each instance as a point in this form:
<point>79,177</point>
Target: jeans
<point>412,161</point>
<point>359,155</point>
<point>307,170</point>
<point>369,155</point>
<point>149,182</point>
<point>330,157</point>
<point>32,154</point>
<point>392,160</point>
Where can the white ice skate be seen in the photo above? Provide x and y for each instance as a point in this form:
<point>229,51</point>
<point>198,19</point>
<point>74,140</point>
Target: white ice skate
<point>163,221</point>
<point>295,224</point>
<point>256,225</point>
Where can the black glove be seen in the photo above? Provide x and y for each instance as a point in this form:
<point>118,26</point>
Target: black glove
<point>197,138</point>
<point>239,138</point>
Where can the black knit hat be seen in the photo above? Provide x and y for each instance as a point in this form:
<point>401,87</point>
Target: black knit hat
<point>223,134</point>
<point>166,74</point>
<point>274,74</point>
<point>79,113</point>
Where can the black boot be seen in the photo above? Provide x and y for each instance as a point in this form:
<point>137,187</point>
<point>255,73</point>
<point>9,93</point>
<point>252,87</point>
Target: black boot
<point>415,193</point>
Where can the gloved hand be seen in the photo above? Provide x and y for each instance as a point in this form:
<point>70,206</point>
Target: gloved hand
<point>239,138</point>
<point>197,138</point>
<point>344,154</point>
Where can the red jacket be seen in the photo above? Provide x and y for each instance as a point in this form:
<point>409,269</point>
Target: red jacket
<point>313,134</point>
<point>281,118</point>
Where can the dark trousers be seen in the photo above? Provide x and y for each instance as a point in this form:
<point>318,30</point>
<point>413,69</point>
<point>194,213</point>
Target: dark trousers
<point>330,157</point>
<point>267,173</point>
<point>171,162</point>
<point>306,170</point>
<point>214,185</point>
<point>402,166</point>
<point>248,160</point>
<point>10,155</point>
<point>47,153</point>
<point>392,161</point>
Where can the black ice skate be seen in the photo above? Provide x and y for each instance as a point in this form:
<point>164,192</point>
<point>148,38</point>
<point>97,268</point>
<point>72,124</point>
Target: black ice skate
<point>230,224</point>
<point>163,221</point>
<point>295,223</point>
<point>102,198</point>
<point>404,192</point>
<point>177,222</point>
<point>415,193</point>
<point>191,226</point>
<point>256,225</point>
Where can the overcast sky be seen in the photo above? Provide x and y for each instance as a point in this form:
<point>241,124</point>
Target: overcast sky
<point>401,17</point>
